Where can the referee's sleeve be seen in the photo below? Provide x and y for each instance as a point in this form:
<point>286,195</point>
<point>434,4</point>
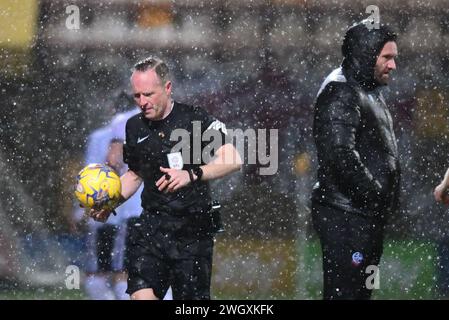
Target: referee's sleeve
<point>129,150</point>
<point>209,122</point>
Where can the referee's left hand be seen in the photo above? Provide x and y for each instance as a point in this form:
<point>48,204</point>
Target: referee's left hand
<point>172,179</point>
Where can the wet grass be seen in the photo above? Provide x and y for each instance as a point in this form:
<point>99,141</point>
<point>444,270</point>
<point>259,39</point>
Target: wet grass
<point>41,294</point>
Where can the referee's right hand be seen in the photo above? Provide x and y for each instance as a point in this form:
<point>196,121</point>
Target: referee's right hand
<point>100,215</point>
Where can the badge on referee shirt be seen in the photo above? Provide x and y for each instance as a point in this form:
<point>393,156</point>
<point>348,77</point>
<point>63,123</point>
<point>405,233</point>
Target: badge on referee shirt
<point>175,160</point>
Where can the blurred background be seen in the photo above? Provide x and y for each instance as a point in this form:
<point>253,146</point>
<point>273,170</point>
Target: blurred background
<point>253,64</point>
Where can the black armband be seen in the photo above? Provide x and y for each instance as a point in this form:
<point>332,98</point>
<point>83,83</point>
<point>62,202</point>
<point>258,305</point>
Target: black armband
<point>190,175</point>
<point>120,201</point>
<point>198,172</point>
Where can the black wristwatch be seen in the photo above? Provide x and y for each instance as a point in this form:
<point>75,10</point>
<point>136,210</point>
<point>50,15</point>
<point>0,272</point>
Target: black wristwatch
<point>198,172</point>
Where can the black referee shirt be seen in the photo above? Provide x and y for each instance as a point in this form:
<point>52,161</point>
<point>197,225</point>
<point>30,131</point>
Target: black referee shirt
<point>150,144</point>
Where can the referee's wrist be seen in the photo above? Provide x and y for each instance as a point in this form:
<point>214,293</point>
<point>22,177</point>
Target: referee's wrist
<point>197,173</point>
<point>192,177</point>
<point>120,201</point>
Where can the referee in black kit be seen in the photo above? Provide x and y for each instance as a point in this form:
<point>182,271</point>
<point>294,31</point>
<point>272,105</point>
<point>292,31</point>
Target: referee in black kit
<point>172,242</point>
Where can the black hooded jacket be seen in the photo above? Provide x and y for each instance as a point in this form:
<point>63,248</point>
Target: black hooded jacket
<point>358,167</point>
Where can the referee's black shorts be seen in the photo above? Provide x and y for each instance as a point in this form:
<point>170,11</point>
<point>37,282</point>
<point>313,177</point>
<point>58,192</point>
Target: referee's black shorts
<point>166,250</point>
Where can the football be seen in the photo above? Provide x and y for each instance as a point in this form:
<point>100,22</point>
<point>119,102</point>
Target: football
<point>98,186</point>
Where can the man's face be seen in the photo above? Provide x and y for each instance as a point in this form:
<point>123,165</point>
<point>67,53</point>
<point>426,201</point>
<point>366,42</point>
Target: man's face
<point>150,94</point>
<point>385,63</point>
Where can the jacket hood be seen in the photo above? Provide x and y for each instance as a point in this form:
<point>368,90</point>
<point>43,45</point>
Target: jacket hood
<point>360,49</point>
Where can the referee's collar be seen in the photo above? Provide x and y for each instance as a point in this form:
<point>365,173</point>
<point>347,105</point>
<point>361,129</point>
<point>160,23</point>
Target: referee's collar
<point>171,110</point>
<point>154,122</point>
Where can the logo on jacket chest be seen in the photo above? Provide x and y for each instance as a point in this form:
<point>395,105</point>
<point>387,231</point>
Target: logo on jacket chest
<point>139,140</point>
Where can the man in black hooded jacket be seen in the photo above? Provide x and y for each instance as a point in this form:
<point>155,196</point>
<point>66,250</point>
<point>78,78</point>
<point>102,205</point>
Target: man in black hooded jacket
<point>358,167</point>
